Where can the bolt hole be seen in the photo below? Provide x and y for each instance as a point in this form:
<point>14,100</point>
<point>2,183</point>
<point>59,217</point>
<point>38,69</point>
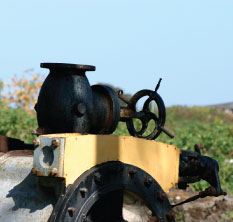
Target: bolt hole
<point>46,157</point>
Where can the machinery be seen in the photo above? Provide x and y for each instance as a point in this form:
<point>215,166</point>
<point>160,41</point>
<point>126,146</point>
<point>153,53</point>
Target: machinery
<point>78,171</point>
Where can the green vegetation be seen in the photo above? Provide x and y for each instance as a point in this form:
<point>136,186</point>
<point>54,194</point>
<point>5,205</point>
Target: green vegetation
<point>17,116</point>
<point>17,123</point>
<point>210,127</point>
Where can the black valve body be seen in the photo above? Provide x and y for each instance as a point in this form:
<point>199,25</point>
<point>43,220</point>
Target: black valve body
<point>68,104</point>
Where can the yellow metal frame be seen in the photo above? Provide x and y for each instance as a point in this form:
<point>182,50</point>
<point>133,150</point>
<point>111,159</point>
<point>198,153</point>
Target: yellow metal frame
<point>83,152</point>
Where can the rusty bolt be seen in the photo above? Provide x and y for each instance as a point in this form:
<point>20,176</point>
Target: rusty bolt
<point>148,181</point>
<point>198,147</point>
<point>132,172</point>
<point>170,215</point>
<point>54,171</point>
<point>161,195</point>
<point>71,211</point>
<point>55,143</point>
<point>36,142</point>
<point>83,191</point>
<point>35,170</point>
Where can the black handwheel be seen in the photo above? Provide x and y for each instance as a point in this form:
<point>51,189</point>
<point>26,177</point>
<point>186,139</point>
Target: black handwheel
<point>147,115</point>
<point>97,195</point>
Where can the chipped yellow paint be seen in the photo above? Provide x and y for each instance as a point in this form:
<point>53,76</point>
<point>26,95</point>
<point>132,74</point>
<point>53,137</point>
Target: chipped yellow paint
<point>82,152</point>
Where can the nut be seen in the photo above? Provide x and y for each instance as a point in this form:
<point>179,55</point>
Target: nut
<point>71,211</point>
<point>161,195</point>
<point>54,171</point>
<point>55,143</point>
<point>36,142</point>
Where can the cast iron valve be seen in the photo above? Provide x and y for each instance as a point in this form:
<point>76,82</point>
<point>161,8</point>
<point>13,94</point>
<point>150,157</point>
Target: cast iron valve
<point>68,104</point>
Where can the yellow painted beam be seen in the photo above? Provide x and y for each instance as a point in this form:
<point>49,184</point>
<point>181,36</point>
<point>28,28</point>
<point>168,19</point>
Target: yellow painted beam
<point>82,152</point>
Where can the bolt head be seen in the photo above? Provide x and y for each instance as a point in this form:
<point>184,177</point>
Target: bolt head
<point>36,142</point>
<point>54,171</point>
<point>71,211</point>
<point>161,195</point>
<point>148,181</point>
<point>83,191</point>
<point>80,108</point>
<point>55,143</point>
<point>97,178</point>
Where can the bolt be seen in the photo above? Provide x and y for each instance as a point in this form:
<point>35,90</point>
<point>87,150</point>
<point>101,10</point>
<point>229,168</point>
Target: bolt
<point>55,143</point>
<point>132,172</point>
<point>80,108</point>
<point>97,177</point>
<point>36,142</point>
<point>54,171</point>
<point>148,181</point>
<point>83,191</point>
<point>161,195</point>
<point>35,170</point>
<point>71,211</point>
<point>198,147</point>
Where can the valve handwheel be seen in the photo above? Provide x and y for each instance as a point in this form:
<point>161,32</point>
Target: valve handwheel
<point>146,115</point>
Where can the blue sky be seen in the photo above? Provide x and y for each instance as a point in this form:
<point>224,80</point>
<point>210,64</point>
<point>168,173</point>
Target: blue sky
<point>132,44</point>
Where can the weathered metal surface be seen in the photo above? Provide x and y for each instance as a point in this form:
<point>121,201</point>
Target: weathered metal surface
<point>95,195</point>
<point>49,157</point>
<point>208,192</point>
<point>145,115</point>
<point>82,152</point>
<point>121,97</point>
<point>68,104</point>
<point>159,120</point>
<point>63,90</point>
<point>21,197</point>
<point>106,112</point>
<point>194,167</point>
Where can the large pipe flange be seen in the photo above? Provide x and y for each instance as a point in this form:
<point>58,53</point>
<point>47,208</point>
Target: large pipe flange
<point>97,195</point>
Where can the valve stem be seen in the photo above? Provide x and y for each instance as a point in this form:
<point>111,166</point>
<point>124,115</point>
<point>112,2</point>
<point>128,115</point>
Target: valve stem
<point>158,85</point>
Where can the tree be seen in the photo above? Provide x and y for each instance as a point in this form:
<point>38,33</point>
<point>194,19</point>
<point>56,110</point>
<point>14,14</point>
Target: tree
<point>23,92</point>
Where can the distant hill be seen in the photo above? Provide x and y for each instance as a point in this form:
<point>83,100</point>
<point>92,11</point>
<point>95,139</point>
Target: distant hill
<point>224,106</point>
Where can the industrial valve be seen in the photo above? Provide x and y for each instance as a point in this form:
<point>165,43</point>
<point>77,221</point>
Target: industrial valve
<point>67,103</point>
